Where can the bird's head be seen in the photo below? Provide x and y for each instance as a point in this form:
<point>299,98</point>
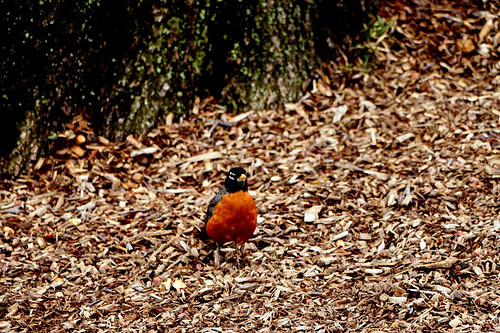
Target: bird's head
<point>236,180</point>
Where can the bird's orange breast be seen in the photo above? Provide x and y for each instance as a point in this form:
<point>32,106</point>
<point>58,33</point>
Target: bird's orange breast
<point>234,218</point>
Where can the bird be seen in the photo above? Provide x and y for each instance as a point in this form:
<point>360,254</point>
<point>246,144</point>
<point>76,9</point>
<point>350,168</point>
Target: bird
<point>232,214</point>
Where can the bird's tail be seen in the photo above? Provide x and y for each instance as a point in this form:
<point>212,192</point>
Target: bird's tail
<point>203,233</point>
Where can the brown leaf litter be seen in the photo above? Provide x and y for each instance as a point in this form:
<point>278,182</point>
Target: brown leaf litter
<point>377,194</point>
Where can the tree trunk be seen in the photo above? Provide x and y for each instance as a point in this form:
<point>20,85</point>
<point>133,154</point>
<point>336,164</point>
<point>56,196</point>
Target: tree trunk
<point>124,66</point>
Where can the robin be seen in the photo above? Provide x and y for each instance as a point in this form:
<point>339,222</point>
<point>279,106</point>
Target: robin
<point>232,214</point>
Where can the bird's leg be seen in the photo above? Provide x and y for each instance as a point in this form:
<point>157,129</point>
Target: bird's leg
<point>217,256</point>
<point>237,256</point>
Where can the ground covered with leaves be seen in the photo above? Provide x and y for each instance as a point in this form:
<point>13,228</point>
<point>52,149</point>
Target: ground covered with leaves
<point>377,195</point>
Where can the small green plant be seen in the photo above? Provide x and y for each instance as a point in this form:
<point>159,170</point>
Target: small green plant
<point>375,32</point>
<point>52,136</point>
<point>377,28</point>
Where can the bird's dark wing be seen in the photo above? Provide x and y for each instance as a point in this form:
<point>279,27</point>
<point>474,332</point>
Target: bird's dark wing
<point>210,211</point>
<point>215,200</point>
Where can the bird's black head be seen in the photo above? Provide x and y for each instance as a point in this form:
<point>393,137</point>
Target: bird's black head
<point>236,180</point>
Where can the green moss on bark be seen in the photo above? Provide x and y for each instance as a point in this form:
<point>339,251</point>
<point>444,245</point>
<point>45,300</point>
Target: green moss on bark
<point>274,58</point>
<point>249,55</point>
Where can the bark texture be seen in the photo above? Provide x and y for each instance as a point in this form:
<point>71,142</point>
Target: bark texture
<point>125,66</point>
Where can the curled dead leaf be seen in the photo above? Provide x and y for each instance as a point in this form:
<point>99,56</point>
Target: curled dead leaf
<point>80,139</point>
<point>75,221</point>
<point>311,214</point>
<point>465,45</point>
<point>8,230</point>
<point>178,284</point>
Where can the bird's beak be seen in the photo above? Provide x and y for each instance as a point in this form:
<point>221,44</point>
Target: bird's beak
<point>242,177</point>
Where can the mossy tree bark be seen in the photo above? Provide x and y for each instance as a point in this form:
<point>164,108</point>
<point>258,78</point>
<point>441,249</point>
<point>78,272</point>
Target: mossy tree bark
<point>124,66</point>
<point>250,55</point>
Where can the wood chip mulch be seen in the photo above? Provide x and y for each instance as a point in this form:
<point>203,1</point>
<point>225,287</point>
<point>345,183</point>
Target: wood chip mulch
<point>377,195</point>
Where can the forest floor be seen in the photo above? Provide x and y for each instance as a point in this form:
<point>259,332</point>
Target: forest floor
<point>377,195</point>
